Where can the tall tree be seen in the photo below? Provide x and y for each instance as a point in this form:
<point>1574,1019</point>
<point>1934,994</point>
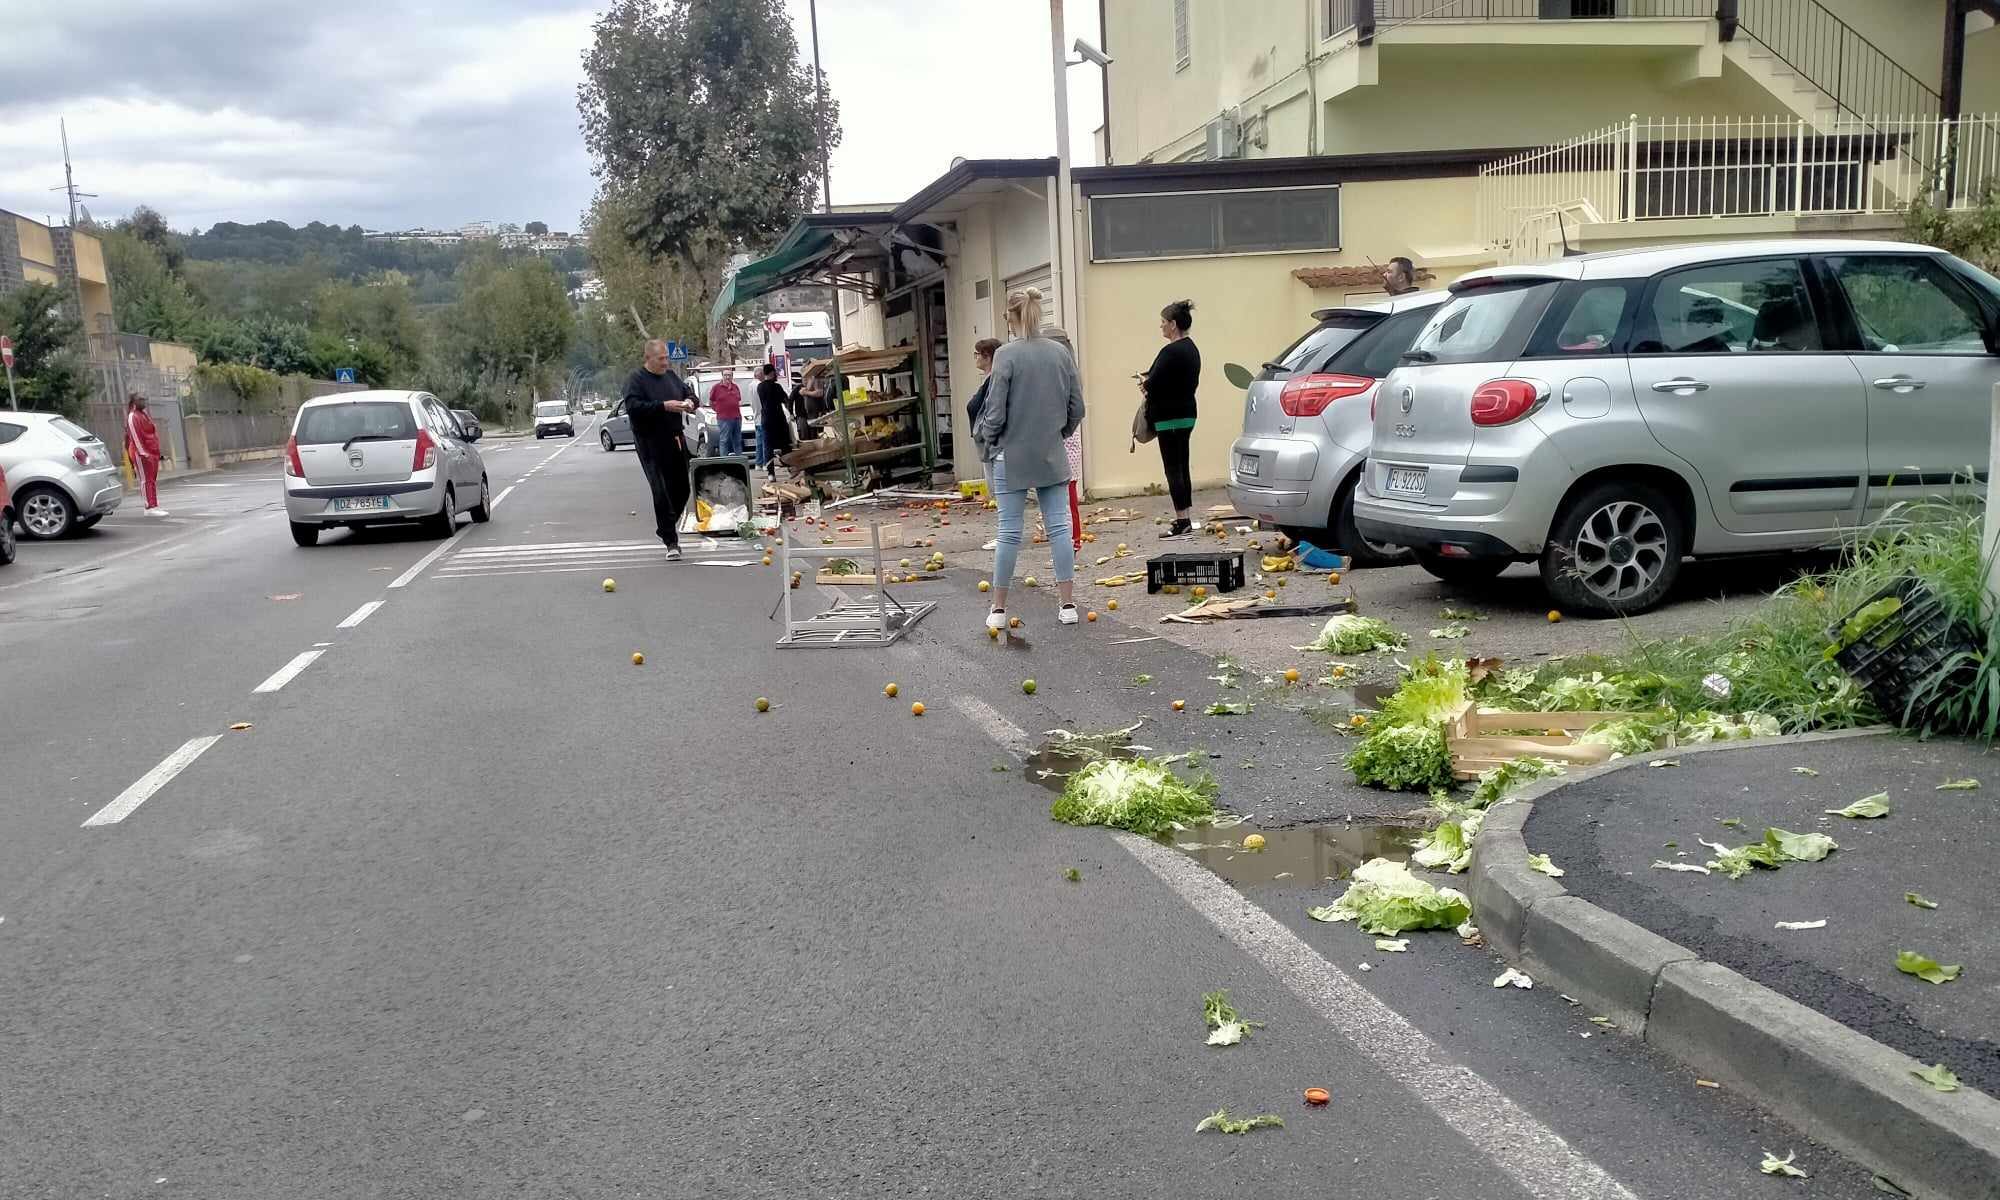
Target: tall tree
<point>48,372</point>
<point>702,121</point>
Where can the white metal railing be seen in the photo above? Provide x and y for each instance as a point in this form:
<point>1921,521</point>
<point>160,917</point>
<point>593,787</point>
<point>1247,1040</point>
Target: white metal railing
<point>1531,204</point>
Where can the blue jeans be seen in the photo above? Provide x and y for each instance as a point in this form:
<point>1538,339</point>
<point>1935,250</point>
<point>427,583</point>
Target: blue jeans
<point>731,433</point>
<point>1054,503</point>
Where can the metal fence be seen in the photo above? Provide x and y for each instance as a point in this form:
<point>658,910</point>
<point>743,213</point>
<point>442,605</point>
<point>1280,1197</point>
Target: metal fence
<point>1656,168</point>
<point>113,379</point>
<point>1529,10</point>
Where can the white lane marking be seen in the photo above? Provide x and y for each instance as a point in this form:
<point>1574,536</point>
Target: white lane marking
<point>322,645</point>
<point>404,579</point>
<point>997,727</point>
<point>152,781</point>
<point>288,672</point>
<point>361,614</point>
<point>526,547</point>
<point>504,493</point>
<point>621,566</point>
<point>1533,1155</point>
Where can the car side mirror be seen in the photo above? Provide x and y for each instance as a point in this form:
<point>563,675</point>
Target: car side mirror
<point>470,435</point>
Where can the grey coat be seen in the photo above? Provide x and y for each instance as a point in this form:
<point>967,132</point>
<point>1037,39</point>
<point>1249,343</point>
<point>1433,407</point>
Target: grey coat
<point>1033,401</point>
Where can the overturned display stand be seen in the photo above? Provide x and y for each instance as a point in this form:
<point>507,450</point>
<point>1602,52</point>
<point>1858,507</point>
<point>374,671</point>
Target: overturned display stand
<point>876,620</point>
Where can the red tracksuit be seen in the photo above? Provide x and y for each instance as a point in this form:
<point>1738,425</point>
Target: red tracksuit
<point>142,443</point>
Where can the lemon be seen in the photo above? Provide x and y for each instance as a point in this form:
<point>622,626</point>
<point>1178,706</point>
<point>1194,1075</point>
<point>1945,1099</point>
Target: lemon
<point>1554,616</point>
<point>1013,622</point>
<point>611,585</point>
<point>1179,705</point>
<point>992,635</point>
<point>1030,582</point>
<point>1291,674</point>
<point>1028,686</point>
<point>763,705</point>
<point>905,564</point>
<point>638,659</point>
<point>890,690</point>
<point>917,709</point>
<point>1333,577</point>
<point>985,586</point>
<point>1112,605</point>
<point>1253,841</point>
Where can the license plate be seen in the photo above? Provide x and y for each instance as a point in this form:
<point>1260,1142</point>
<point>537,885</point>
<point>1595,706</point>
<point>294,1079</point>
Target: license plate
<point>1404,480</point>
<point>360,503</point>
<point>1246,464</point>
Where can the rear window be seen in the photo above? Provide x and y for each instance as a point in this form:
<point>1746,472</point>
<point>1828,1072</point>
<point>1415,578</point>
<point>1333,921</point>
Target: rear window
<point>71,430</point>
<point>554,408</point>
<point>1310,353</point>
<point>380,420</point>
<point>1375,353</point>
<point>1484,324</point>
<point>1585,319</point>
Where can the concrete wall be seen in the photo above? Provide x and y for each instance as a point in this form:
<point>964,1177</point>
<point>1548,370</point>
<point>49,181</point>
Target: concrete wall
<point>1237,49</point>
<point>1982,71</point>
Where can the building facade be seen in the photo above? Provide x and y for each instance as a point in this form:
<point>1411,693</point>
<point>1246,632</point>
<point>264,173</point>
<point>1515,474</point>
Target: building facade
<point>73,260</point>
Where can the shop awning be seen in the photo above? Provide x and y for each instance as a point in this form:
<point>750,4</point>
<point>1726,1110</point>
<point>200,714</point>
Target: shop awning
<point>818,248</point>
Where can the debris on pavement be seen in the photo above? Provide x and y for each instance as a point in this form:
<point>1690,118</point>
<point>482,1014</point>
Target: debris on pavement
<point>1072,874</point>
<point>1236,709</point>
<point>1384,898</point>
<point>1876,805</point>
<point>1773,1165</point>
<point>1514,978</point>
<point>1958,785</point>
<point>1316,1095</point>
<point>1663,865</point>
<point>1227,1026</point>
<point>1939,1077</point>
<point>1806,771</point>
<point>1136,795</point>
<point>1919,901</point>
<point>1348,633</point>
<point>1778,848</point>
<point>1540,862</point>
<point>1392,945</point>
<point>1221,1121</point>
<point>1910,962</point>
<point>1821,924</point>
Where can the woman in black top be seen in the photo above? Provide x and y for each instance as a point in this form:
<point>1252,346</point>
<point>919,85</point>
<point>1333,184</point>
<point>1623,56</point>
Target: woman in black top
<point>774,425</point>
<point>1170,385</point>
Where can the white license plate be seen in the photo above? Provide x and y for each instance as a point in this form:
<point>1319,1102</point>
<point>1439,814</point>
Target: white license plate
<point>360,503</point>
<point>1246,464</point>
<point>1403,480</point>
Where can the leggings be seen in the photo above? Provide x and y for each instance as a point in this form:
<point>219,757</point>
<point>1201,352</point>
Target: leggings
<point>1054,503</point>
<point>1174,457</point>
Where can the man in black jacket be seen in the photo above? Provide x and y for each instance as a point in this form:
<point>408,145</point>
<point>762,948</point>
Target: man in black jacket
<point>655,399</point>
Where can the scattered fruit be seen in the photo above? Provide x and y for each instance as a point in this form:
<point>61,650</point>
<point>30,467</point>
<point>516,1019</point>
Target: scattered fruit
<point>1254,841</point>
<point>1028,686</point>
<point>917,709</point>
<point>1091,615</point>
<point>890,690</point>
<point>1122,547</point>
<point>1030,582</point>
<point>1357,721</point>
<point>1270,594</point>
<point>1013,622</point>
<point>1291,674</point>
<point>763,705</point>
<point>240,726</point>
<point>1333,577</point>
<point>1112,605</point>
<point>992,635</point>
<point>905,564</point>
<point>611,585</point>
<point>985,585</point>
<point>1554,616</point>
<point>1179,705</point>
<point>767,560</point>
<point>638,659</point>
<point>1317,1096</point>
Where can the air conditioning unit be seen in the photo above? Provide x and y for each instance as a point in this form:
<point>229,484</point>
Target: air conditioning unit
<point>1225,135</point>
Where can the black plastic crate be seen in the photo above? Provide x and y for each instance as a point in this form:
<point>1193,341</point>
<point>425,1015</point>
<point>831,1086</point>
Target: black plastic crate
<point>1897,660</point>
<point>1218,569</point>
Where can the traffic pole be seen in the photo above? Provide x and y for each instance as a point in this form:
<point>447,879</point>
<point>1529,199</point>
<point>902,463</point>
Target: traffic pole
<point>11,401</point>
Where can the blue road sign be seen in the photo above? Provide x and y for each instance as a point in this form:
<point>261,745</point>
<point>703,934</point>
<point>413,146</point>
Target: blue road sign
<point>343,375</point>
<point>677,352</point>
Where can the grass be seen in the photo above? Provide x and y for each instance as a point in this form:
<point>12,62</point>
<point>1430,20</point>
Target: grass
<point>1776,659</point>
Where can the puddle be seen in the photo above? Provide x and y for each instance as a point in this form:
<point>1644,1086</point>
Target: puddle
<point>1052,765</point>
<point>1306,855</point>
<point>1367,695</point>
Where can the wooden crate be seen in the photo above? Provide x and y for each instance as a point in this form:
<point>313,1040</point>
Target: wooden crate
<point>1477,744</point>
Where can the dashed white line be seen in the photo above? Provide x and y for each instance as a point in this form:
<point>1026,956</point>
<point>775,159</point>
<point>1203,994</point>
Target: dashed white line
<point>361,614</point>
<point>152,781</point>
<point>404,579</point>
<point>504,493</point>
<point>288,672</point>
<point>1533,1155</point>
<point>997,727</point>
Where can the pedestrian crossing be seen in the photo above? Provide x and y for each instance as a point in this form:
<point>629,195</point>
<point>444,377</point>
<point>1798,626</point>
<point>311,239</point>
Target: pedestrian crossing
<point>557,558</point>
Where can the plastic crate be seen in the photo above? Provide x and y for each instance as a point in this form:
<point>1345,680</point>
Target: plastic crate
<point>1898,659</point>
<point>1221,570</point>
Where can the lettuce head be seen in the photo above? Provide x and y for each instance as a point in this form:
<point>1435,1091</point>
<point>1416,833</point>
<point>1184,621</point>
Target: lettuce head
<point>1386,899</point>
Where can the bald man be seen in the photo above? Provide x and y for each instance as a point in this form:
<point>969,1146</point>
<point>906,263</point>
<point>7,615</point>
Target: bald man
<point>655,400</point>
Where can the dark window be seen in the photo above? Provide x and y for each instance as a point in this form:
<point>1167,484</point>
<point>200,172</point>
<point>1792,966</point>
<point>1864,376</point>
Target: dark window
<point>9,432</point>
<point>1310,353</point>
<point>377,420</point>
<point>72,430</point>
<point>1584,319</point>
<point>1909,304</point>
<point>1484,324</point>
<point>1376,353</point>
<point>1755,307</point>
<point>1181,224</point>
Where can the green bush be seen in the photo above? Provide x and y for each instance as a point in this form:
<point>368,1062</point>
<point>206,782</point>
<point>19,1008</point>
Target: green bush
<point>254,386</point>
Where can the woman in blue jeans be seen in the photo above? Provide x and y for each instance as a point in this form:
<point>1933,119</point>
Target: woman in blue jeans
<point>1033,401</point>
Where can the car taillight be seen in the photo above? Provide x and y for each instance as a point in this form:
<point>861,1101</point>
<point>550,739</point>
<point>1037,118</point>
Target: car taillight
<point>1308,395</point>
<point>1503,401</point>
<point>81,456</point>
<point>426,451</point>
<point>293,466</point>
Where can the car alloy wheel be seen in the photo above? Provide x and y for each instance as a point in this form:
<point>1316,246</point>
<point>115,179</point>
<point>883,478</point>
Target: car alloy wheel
<point>604,440</point>
<point>44,514</point>
<point>1620,551</point>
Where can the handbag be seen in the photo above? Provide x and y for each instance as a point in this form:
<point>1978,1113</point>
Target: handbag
<point>1142,426</point>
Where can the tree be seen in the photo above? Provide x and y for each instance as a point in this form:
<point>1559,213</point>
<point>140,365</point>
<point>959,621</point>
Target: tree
<point>669,299</point>
<point>1971,233</point>
<point>538,228</point>
<point>702,121</point>
<point>507,336</point>
<point>147,295</point>
<point>48,374</point>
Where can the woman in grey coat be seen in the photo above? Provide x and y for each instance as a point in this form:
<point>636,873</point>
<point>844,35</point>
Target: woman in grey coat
<point>1033,401</point>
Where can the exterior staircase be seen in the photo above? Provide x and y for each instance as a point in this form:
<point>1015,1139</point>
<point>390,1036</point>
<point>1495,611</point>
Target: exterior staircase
<point>1801,96</point>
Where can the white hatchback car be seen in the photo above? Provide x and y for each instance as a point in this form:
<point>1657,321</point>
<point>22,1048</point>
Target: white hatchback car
<point>373,458</point>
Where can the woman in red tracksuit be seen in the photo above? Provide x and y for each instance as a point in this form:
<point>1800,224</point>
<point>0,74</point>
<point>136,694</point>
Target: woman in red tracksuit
<point>142,445</point>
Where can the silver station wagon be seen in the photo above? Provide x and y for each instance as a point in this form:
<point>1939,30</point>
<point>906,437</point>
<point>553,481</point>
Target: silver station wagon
<point>1610,414</point>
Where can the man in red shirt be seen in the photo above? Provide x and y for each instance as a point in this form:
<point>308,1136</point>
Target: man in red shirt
<point>142,445</point>
<point>727,401</point>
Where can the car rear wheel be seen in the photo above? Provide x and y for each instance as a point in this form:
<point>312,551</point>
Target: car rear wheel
<point>1615,549</point>
<point>8,547</point>
<point>1461,571</point>
<point>305,535</point>
<point>482,512</point>
<point>446,519</point>
<point>604,440</point>
<point>46,512</point>
<point>1347,538</point>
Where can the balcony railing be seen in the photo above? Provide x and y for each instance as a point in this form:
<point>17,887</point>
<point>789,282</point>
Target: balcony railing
<point>1387,11</point>
<point>1534,203</point>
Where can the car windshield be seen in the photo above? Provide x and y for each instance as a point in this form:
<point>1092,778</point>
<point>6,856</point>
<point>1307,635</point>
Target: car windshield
<point>378,420</point>
<point>552,408</point>
<point>1311,352</point>
<point>1484,324</point>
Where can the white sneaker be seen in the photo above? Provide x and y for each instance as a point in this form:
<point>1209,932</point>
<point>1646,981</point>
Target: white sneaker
<point>156,512</point>
<point>673,553</point>
<point>997,619</point>
<point>991,546</point>
<point>1067,614</point>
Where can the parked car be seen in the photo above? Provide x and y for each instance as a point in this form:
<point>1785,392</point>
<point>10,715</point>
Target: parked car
<point>64,479</point>
<point>703,434</point>
<point>616,430</point>
<point>552,418</point>
<point>371,458</point>
<point>7,545</point>
<point>1607,415</point>
<point>1307,421</point>
<point>469,421</point>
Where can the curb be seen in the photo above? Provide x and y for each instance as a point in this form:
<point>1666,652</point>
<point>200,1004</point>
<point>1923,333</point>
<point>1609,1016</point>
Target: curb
<point>1845,1090</point>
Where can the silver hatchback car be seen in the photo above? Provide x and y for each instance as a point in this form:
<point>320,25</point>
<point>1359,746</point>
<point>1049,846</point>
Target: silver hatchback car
<point>63,477</point>
<point>1610,414</point>
<point>371,458</point>
<point>1307,420</point>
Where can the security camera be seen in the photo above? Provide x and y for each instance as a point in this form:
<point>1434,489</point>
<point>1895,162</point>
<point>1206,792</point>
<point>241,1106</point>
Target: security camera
<point>1091,53</point>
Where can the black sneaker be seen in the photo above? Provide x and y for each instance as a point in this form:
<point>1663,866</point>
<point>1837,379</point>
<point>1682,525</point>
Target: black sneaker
<point>1179,529</point>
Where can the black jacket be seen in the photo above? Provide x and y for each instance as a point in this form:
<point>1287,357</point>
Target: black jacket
<point>646,394</point>
<point>978,402</point>
<point>774,428</point>
<point>1171,382</point>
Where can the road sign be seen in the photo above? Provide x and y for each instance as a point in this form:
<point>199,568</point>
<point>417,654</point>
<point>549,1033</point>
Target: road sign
<point>776,326</point>
<point>6,351</point>
<point>677,352</point>
<point>343,375</point>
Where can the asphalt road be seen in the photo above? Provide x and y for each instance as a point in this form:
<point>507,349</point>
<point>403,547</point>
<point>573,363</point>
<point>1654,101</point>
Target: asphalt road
<point>477,907</point>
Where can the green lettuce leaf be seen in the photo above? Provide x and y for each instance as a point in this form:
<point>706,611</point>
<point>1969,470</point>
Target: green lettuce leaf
<point>1919,901</point>
<point>1347,633</point>
<point>1773,1165</point>
<point>1228,1025</point>
<point>1449,846</point>
<point>1238,709</point>
<point>1939,1077</point>
<point>1876,805</point>
<point>1799,847</point>
<point>1428,695</point>
<point>1221,1121</point>
<point>1959,785</point>
<point>1626,738</point>
<point>1541,862</point>
<point>1495,784</point>
<point>1137,795</point>
<point>1386,899</point>
<point>1927,969</point>
<point>1406,758</point>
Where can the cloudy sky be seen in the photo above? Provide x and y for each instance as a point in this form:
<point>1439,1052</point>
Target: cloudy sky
<point>389,113</point>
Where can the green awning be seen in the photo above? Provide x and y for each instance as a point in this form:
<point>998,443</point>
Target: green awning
<point>814,243</point>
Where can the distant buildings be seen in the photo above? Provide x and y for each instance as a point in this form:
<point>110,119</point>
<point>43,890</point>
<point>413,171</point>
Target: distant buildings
<point>507,236</point>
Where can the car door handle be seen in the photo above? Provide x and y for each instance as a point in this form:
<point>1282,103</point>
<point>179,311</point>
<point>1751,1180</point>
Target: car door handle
<point>1680,385</point>
<point>1900,383</point>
